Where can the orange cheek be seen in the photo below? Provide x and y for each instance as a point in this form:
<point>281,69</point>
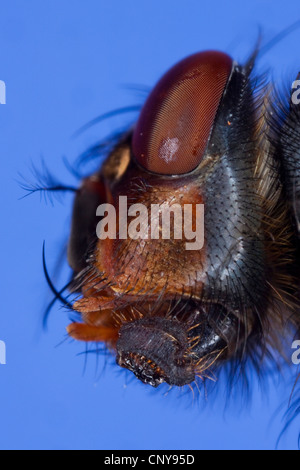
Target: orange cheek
<point>148,265</point>
<point>88,333</point>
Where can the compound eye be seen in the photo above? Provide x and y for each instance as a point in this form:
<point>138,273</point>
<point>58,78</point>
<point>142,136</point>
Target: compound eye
<point>175,123</point>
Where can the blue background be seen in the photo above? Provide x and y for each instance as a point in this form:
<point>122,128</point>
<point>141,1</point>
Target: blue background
<point>65,62</point>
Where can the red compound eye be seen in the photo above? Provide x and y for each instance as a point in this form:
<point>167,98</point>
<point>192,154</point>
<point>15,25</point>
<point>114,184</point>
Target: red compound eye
<point>176,121</point>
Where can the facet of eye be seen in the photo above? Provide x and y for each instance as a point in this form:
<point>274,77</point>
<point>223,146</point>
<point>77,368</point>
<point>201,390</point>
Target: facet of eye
<point>175,123</point>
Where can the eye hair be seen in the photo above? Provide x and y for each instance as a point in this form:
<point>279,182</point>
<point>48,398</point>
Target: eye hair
<point>101,149</point>
<point>108,115</point>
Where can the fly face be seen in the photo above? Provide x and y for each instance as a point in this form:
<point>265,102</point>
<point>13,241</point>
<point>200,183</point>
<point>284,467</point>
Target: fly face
<point>170,313</point>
